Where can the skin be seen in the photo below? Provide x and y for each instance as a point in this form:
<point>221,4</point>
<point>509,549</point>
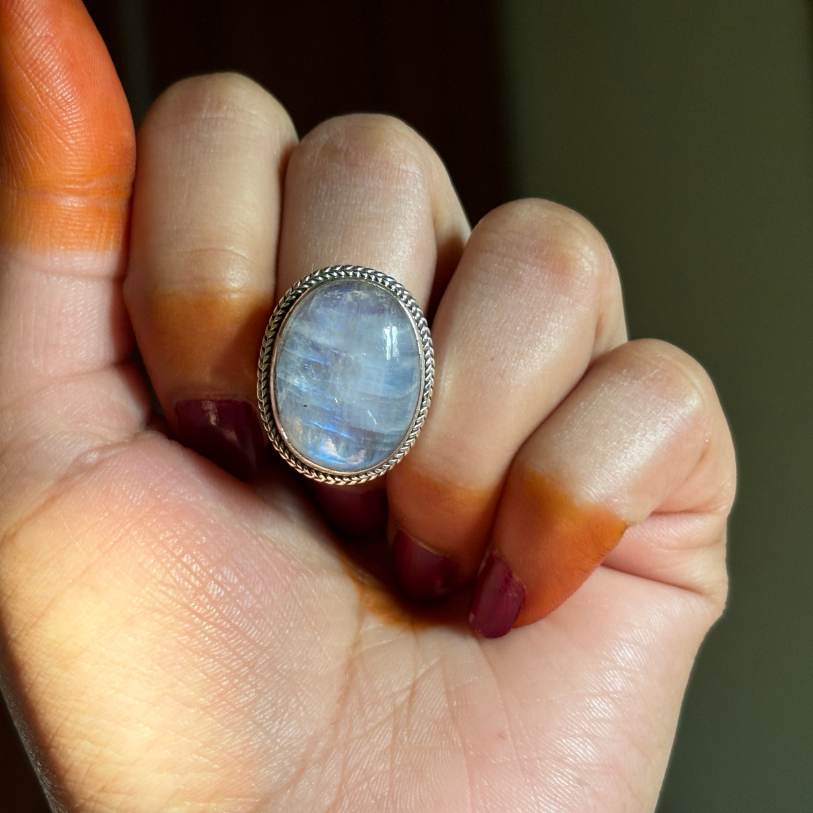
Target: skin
<point>176,639</point>
<point>562,536</point>
<point>47,202</point>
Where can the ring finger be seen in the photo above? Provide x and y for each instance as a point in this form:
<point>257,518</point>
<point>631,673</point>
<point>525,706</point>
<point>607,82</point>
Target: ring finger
<point>535,299</point>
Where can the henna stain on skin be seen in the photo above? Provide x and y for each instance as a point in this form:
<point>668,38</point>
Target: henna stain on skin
<point>551,541</point>
<point>67,158</point>
<point>210,341</point>
<point>454,519</point>
<point>369,564</point>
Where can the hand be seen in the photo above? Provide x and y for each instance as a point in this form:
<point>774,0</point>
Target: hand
<point>176,639</point>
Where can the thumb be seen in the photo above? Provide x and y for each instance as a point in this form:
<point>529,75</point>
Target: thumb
<point>67,158</point>
<point>67,148</point>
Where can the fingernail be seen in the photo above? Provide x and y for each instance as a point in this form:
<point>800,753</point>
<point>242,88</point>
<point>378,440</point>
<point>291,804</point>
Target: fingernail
<point>424,576</point>
<point>225,430</point>
<point>497,599</point>
<point>355,510</point>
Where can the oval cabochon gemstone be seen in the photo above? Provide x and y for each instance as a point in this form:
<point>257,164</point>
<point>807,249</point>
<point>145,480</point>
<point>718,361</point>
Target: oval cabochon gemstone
<point>347,376</point>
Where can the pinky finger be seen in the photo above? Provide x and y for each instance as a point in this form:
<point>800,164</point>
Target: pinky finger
<point>640,450</point>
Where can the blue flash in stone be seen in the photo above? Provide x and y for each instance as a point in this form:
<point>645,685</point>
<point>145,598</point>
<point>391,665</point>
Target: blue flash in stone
<point>347,376</point>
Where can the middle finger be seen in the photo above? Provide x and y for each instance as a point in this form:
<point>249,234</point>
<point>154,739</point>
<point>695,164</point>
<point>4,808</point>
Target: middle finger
<point>367,190</point>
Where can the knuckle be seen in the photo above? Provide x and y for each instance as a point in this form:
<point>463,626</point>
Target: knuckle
<point>677,396</point>
<point>681,391</point>
<point>377,147</point>
<point>227,100</point>
<point>541,237</point>
<point>670,375</point>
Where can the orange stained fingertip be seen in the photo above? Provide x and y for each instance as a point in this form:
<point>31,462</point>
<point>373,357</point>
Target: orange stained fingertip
<point>551,541</point>
<point>202,344</point>
<point>453,519</point>
<point>67,145</point>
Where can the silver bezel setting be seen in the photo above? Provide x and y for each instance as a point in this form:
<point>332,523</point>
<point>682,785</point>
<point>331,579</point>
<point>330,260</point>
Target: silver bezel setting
<point>267,362</point>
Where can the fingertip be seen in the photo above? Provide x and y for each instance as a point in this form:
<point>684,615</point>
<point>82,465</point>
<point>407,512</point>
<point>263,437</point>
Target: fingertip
<point>359,511</point>
<point>198,348</point>
<point>224,430</point>
<point>498,599</point>
<point>552,541</point>
<point>447,517</point>
<point>423,575</point>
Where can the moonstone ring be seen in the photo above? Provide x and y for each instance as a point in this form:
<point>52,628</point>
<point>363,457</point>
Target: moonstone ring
<point>345,374</point>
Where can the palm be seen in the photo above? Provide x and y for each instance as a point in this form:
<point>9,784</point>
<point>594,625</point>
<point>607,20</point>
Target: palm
<point>193,625</point>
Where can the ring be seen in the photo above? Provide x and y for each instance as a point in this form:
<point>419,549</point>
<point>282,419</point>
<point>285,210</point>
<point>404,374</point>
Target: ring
<point>345,374</point>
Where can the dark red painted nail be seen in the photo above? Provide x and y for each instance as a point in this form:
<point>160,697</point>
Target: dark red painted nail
<point>497,599</point>
<point>424,576</point>
<point>355,510</point>
<point>224,430</point>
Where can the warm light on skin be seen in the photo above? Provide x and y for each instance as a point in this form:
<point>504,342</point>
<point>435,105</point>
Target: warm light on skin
<point>551,542</point>
<point>67,146</point>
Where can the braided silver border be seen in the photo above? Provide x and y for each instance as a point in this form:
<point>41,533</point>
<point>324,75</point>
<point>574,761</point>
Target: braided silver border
<point>266,363</point>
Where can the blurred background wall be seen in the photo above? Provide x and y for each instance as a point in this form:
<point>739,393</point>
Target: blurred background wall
<point>684,130</point>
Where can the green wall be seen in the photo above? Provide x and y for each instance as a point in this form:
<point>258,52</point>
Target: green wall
<point>684,130</point>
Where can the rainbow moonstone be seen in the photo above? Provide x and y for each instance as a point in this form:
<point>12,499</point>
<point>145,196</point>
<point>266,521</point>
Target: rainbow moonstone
<point>347,376</point>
